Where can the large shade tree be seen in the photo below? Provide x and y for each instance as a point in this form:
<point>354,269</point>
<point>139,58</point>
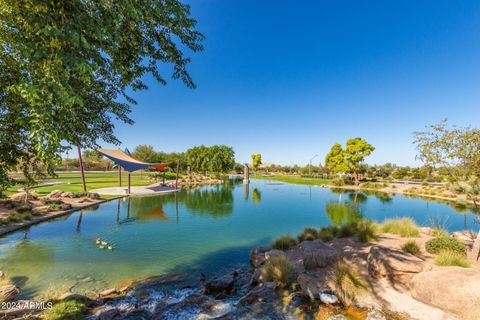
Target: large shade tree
<point>67,67</point>
<point>456,151</point>
<point>216,158</point>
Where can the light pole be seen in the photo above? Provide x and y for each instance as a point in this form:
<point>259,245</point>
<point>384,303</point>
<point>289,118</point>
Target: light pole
<point>310,164</point>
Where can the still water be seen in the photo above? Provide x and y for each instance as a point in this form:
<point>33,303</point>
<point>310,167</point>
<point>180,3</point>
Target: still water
<point>208,230</point>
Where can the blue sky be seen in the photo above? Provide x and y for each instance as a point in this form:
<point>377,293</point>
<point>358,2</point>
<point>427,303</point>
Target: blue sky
<point>288,79</point>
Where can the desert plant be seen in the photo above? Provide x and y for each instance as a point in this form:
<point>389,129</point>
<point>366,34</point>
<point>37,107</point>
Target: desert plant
<point>65,310</point>
<point>451,258</point>
<point>284,243</point>
<point>48,201</point>
<point>436,245</point>
<point>404,227</point>
<point>326,234</point>
<point>14,217</point>
<point>279,270</point>
<point>345,230</point>
<point>365,230</point>
<point>308,233</point>
<point>411,246</point>
<point>347,282</point>
<point>438,232</point>
<point>23,208</point>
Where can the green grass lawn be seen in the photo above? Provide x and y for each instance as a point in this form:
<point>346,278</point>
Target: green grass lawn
<point>294,179</point>
<point>94,180</point>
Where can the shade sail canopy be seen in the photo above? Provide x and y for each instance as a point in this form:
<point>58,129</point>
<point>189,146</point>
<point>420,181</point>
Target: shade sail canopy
<point>129,163</point>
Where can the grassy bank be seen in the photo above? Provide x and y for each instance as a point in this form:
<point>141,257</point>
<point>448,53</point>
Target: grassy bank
<point>294,179</point>
<point>72,181</point>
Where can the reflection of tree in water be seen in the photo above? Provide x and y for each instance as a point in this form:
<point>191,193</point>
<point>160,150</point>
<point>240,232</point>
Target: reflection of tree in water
<point>384,197</point>
<point>256,196</point>
<point>341,213</point>
<point>216,201</point>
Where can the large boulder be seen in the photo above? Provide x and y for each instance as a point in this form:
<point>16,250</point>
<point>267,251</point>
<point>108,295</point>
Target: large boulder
<point>397,266</point>
<point>261,293</point>
<point>225,284</point>
<point>257,255</point>
<point>316,254</point>
<point>9,292</point>
<point>274,253</point>
<point>20,196</point>
<point>55,194</point>
<point>314,283</point>
<point>465,236</point>
<point>452,289</point>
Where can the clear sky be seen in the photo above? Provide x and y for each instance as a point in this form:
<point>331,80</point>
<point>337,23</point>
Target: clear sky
<point>287,79</point>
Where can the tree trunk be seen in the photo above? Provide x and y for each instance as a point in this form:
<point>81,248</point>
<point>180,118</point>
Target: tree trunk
<point>474,254</point>
<point>356,178</point>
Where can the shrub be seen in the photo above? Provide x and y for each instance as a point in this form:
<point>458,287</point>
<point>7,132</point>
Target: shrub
<point>405,227</point>
<point>23,208</point>
<point>338,182</point>
<point>439,233</point>
<point>366,231</point>
<point>14,217</point>
<point>436,245</point>
<point>326,234</point>
<point>284,243</point>
<point>451,258</point>
<point>347,282</point>
<point>279,270</point>
<point>308,233</point>
<point>411,246</point>
<point>66,310</point>
<point>371,185</point>
<point>346,230</point>
<point>48,201</point>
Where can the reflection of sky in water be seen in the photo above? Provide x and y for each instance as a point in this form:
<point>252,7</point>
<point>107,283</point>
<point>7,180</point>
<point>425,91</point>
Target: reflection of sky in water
<point>207,230</point>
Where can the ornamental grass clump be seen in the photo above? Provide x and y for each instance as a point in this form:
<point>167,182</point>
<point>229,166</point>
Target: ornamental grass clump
<point>347,282</point>
<point>308,233</point>
<point>436,245</point>
<point>452,258</point>
<point>404,227</point>
<point>366,231</point>
<point>66,310</point>
<point>326,234</point>
<point>278,270</point>
<point>284,243</point>
<point>411,246</point>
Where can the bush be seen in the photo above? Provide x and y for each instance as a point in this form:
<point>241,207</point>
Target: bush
<point>326,234</point>
<point>14,217</point>
<point>347,282</point>
<point>284,243</point>
<point>279,270</point>
<point>439,233</point>
<point>66,310</point>
<point>404,227</point>
<point>48,201</point>
<point>411,246</point>
<point>371,185</point>
<point>366,231</point>
<point>338,182</point>
<point>308,233</point>
<point>436,245</point>
<point>23,208</point>
<point>346,230</point>
<point>452,258</point>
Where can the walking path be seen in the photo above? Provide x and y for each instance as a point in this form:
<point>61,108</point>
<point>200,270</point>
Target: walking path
<point>156,188</point>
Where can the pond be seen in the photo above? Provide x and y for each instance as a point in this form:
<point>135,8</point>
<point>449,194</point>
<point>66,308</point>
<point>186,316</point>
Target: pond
<point>210,230</point>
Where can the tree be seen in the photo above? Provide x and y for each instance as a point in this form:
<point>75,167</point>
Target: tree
<point>66,67</point>
<point>355,152</point>
<point>216,158</point>
<point>457,151</point>
<point>145,153</point>
<point>256,161</point>
<point>349,160</point>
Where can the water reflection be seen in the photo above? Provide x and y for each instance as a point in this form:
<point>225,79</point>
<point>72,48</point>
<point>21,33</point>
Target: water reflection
<point>256,196</point>
<point>342,213</point>
<point>216,201</point>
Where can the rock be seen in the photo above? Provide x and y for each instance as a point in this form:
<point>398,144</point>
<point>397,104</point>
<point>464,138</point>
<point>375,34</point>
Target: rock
<point>55,194</point>
<point>295,257</point>
<point>328,298</point>
<point>20,196</point>
<point>274,253</point>
<point>317,254</point>
<point>93,196</point>
<point>263,292</point>
<point>110,314</point>
<point>465,236</point>
<point>375,315</point>
<point>396,265</point>
<point>9,292</point>
<point>67,194</point>
<point>225,284</point>
<point>73,296</point>
<point>314,283</point>
<point>257,255</point>
<point>108,292</point>
<point>452,289</point>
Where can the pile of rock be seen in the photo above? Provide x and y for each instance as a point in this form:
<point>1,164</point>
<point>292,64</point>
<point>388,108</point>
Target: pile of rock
<point>193,181</point>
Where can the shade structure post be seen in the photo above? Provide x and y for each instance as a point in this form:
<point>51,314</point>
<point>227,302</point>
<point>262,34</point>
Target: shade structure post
<point>129,183</point>
<point>163,183</point>
<point>176,174</point>
<point>119,175</point>
<point>81,169</point>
